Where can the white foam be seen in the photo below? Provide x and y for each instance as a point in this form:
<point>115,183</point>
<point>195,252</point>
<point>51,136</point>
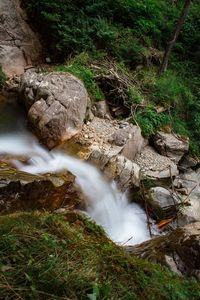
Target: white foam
<point>124,223</point>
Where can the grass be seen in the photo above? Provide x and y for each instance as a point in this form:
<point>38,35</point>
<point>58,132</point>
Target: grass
<point>79,67</point>
<point>45,256</point>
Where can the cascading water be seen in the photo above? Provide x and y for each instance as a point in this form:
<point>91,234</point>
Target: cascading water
<point>124,223</point>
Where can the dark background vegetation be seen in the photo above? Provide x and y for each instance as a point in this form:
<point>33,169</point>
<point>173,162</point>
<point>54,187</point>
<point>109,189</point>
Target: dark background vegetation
<point>133,35</point>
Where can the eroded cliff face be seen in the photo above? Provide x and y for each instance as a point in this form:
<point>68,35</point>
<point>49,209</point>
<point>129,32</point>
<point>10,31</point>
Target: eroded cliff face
<point>19,45</point>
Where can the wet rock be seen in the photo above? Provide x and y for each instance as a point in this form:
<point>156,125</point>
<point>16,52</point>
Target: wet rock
<point>179,250</point>
<point>19,45</point>
<point>23,191</point>
<point>125,172</point>
<point>116,167</point>
<point>155,165</point>
<point>56,104</point>
<point>170,145</point>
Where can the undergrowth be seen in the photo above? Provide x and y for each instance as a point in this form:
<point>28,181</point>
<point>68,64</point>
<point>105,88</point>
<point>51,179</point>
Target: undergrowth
<point>44,256</point>
<point>132,34</point>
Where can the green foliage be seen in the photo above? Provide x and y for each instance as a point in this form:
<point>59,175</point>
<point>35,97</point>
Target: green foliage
<point>2,78</point>
<point>169,90</point>
<point>150,121</point>
<point>121,27</point>
<point>43,256</point>
<point>134,96</point>
<point>130,33</point>
<point>79,66</point>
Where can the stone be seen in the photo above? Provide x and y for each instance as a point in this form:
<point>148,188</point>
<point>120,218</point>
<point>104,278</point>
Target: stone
<point>23,191</point>
<point>19,45</point>
<point>130,138</point>
<point>179,250</point>
<point>188,185</point>
<point>154,165</point>
<point>116,167</point>
<point>162,197</point>
<point>171,145</point>
<point>100,109</point>
<point>56,104</point>
<point>188,162</point>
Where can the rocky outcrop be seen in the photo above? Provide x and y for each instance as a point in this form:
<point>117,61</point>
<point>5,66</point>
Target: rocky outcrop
<point>154,165</point>
<point>130,138</point>
<point>179,250</point>
<point>171,145</point>
<point>23,191</point>
<point>19,45</point>
<point>110,145</point>
<point>188,185</point>
<point>56,105</point>
<point>116,167</point>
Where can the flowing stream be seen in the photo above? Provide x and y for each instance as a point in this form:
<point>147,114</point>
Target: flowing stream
<point>124,222</point>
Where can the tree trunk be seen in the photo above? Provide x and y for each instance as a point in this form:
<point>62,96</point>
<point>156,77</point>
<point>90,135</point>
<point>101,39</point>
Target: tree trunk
<point>174,37</point>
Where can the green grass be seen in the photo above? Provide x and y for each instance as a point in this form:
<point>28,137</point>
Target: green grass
<point>79,67</point>
<point>45,256</point>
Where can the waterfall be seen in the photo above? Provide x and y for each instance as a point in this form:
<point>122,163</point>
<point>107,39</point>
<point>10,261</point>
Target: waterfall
<point>124,222</point>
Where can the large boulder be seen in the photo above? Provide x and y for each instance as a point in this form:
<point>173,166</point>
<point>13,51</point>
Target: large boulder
<point>23,191</point>
<point>19,45</point>
<point>170,145</point>
<point>106,144</point>
<point>179,250</point>
<point>56,104</point>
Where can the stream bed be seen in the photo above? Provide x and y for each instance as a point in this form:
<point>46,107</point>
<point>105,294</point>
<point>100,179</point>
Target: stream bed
<point>124,222</point>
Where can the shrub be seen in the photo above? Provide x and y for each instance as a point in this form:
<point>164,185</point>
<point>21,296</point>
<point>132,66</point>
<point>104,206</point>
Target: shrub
<point>169,90</point>
<point>134,96</point>
<point>150,121</point>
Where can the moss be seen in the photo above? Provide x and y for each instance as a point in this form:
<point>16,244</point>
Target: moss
<point>46,256</point>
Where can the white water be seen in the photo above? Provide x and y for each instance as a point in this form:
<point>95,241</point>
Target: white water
<point>124,223</point>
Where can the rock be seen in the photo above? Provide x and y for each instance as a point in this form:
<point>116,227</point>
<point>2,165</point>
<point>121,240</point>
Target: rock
<point>100,109</point>
<point>56,104</point>
<point>188,162</point>
<point>19,45</point>
<point>155,165</point>
<point>162,197</point>
<point>23,191</point>
<point>125,172</point>
<point>188,184</point>
<point>131,138</point>
<point>170,145</point>
<point>116,167</point>
<point>179,251</point>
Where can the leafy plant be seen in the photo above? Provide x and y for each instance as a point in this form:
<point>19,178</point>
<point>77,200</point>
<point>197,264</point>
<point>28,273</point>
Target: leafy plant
<point>150,121</point>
